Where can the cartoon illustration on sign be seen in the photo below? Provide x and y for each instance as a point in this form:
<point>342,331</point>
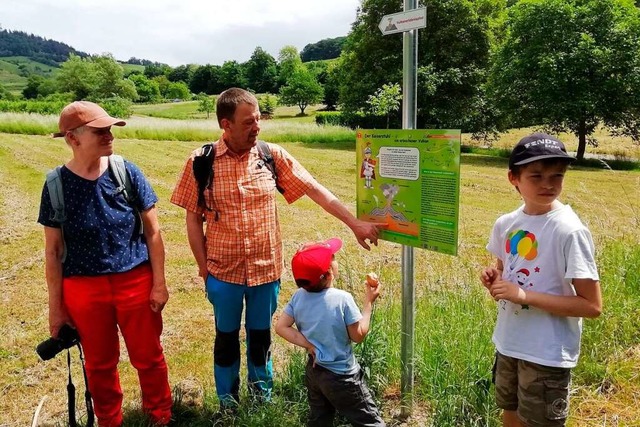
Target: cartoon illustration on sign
<point>389,191</point>
<point>367,170</point>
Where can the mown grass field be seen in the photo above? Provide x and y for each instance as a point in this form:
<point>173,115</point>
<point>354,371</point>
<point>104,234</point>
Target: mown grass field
<point>454,316</point>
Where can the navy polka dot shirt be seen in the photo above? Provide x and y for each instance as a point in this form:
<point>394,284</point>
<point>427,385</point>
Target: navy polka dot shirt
<point>100,232</point>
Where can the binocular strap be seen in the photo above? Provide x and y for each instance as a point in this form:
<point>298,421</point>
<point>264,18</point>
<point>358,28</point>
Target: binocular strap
<point>71,393</point>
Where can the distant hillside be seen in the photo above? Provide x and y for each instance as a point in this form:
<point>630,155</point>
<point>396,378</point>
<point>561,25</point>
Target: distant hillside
<point>324,49</point>
<point>15,70</point>
<point>36,48</point>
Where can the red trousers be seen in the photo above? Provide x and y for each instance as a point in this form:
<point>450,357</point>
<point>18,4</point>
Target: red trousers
<point>98,306</point>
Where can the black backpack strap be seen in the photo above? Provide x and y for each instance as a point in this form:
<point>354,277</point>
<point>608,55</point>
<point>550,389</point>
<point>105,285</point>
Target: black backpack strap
<point>59,215</point>
<point>265,154</point>
<point>203,171</point>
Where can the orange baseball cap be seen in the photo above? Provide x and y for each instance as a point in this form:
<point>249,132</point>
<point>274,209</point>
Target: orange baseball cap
<point>84,113</point>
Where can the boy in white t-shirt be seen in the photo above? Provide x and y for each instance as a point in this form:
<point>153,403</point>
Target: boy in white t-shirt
<point>545,281</point>
<point>326,321</point>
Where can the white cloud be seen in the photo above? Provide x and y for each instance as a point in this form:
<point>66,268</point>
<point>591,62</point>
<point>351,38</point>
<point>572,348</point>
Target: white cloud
<point>180,32</point>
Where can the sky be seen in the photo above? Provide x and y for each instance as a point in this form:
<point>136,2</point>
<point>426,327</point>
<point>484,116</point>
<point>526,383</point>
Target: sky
<point>178,32</point>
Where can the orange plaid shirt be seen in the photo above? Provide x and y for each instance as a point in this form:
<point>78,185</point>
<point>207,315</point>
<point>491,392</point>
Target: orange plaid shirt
<point>244,244</point>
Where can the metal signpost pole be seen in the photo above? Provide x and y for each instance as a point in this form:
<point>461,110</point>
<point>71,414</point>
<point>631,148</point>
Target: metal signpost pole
<point>409,106</point>
<point>407,22</point>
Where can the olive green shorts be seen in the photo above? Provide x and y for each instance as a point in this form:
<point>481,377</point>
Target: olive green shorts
<point>539,394</point>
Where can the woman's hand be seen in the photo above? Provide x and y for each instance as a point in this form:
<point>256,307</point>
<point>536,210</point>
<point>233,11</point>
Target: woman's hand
<point>158,297</point>
<point>58,317</point>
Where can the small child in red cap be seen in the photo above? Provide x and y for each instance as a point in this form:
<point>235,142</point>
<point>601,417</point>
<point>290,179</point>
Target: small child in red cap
<point>326,321</point>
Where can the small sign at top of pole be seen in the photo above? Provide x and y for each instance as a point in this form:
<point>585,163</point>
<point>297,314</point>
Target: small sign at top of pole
<point>403,21</point>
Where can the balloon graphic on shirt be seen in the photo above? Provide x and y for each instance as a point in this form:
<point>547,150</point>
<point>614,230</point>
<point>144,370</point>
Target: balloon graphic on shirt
<point>521,244</point>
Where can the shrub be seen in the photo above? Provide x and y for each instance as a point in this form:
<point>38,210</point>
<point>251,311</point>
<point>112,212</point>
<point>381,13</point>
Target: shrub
<point>329,118</point>
<point>267,104</point>
<point>352,120</point>
<point>117,107</point>
<point>36,107</point>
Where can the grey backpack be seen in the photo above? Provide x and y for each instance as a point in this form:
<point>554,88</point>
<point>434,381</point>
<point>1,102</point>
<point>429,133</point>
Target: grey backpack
<point>117,168</point>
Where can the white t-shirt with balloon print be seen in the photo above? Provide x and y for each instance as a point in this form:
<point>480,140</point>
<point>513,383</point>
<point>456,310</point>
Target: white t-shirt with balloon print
<point>541,253</point>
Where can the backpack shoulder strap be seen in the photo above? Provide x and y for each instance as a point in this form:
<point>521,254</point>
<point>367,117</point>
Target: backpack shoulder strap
<point>59,215</point>
<point>265,154</point>
<point>117,167</point>
<point>123,180</point>
<point>203,171</point>
<point>54,185</point>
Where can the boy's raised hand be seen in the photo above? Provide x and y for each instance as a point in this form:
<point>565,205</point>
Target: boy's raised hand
<point>372,287</point>
<point>489,276</point>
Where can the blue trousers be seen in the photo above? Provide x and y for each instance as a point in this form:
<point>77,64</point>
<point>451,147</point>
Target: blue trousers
<point>228,300</point>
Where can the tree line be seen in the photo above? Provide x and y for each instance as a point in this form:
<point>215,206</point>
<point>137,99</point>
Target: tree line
<point>101,77</point>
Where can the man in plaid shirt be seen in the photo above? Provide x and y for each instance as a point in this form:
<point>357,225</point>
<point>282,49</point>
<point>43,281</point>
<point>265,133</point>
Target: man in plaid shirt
<point>239,255</point>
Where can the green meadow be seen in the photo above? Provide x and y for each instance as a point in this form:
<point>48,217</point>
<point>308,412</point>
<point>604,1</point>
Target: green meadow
<point>454,314</point>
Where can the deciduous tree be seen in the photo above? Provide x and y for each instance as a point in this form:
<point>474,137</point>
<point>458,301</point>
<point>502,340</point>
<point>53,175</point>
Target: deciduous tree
<point>207,79</point>
<point>232,75</point>
<point>570,65</point>
<point>156,69</point>
<point>288,62</point>
<point>182,73</point>
<point>77,75</point>
<point>453,53</point>
<point>261,71</point>
<point>178,90</point>
<point>97,77</point>
<point>302,89</point>
<point>331,86</point>
<point>386,100</point>
<point>206,104</point>
<point>110,79</point>
<point>148,89</point>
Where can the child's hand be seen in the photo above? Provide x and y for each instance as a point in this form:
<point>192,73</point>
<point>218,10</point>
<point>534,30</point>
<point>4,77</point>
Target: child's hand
<point>372,280</point>
<point>372,292</point>
<point>490,275</point>
<point>312,352</point>
<point>503,289</point>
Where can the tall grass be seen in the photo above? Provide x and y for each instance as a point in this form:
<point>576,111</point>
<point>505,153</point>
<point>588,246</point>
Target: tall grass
<point>160,129</point>
<point>620,268</point>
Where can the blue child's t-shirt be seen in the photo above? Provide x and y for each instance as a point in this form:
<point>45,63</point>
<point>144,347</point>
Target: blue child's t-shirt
<point>101,231</point>
<point>323,317</point>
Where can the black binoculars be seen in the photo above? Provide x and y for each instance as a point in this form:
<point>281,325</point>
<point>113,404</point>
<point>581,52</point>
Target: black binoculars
<point>67,338</point>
